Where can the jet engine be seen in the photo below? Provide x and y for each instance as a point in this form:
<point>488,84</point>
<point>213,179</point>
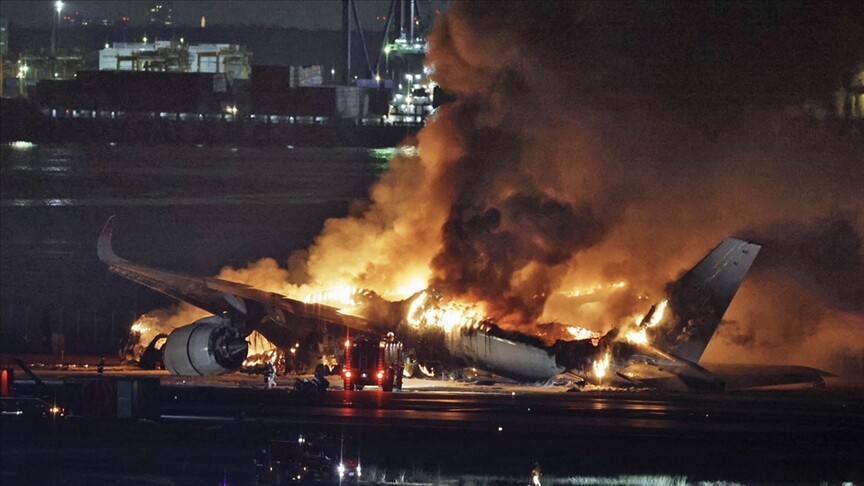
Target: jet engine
<point>209,346</point>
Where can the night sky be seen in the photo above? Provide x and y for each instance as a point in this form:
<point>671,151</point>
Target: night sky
<point>305,14</point>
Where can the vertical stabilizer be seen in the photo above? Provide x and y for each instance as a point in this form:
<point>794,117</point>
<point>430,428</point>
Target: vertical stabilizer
<point>699,299</point>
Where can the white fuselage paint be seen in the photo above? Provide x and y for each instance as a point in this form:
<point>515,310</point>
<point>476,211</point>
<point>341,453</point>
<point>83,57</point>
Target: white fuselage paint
<point>502,356</point>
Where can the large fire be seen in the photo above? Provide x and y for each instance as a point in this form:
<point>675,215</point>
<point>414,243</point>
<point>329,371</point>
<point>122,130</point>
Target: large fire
<point>262,351</point>
<point>142,333</point>
<point>427,309</point>
<point>535,183</point>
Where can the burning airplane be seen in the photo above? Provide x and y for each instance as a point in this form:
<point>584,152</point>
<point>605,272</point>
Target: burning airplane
<point>569,160</point>
<point>661,350</point>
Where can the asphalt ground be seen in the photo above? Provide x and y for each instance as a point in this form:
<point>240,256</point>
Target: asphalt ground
<point>209,430</point>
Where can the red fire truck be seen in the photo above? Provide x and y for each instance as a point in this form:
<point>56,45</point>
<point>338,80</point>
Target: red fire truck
<point>369,361</point>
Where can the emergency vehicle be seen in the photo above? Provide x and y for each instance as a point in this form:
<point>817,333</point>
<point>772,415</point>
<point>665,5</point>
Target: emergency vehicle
<point>375,362</point>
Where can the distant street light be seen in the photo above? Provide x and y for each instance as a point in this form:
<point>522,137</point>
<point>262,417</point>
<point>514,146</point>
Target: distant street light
<point>58,6</point>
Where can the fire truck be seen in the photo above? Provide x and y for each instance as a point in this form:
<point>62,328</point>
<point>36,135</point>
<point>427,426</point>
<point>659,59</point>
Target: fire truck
<point>370,361</point>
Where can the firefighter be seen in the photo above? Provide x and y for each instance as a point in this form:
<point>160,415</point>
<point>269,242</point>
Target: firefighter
<point>319,381</point>
<point>535,475</point>
<point>269,375</point>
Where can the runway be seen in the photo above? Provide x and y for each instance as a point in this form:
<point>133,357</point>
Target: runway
<point>529,411</point>
<point>210,429</point>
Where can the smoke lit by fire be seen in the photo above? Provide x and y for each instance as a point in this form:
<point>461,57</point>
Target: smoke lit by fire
<point>545,193</point>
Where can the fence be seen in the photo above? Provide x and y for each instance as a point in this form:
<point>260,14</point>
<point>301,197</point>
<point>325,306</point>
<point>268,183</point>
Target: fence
<point>29,329</point>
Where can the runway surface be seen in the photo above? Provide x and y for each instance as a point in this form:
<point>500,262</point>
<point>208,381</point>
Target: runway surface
<point>435,432</point>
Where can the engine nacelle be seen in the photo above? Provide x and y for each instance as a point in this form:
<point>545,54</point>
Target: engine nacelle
<point>209,346</point>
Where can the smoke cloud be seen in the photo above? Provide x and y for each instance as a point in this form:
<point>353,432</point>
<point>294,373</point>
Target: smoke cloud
<point>583,150</point>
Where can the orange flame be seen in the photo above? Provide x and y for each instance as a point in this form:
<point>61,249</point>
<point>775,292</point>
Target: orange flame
<point>427,310</point>
<point>601,366</point>
<point>639,335</point>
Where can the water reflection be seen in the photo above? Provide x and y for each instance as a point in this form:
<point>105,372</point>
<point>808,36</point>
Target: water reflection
<point>159,201</point>
<point>20,145</point>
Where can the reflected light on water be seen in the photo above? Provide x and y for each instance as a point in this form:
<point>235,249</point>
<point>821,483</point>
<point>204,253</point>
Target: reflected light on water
<point>55,168</point>
<point>29,203</point>
<point>50,168</point>
<point>59,202</point>
<point>21,145</point>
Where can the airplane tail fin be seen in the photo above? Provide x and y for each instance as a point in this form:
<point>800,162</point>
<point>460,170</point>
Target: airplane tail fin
<point>699,299</point>
<point>103,246</point>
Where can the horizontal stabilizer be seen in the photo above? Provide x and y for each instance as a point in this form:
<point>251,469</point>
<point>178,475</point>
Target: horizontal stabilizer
<point>648,376</point>
<point>738,377</point>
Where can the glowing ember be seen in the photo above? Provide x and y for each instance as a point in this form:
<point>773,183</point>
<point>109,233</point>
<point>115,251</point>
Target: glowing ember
<point>269,356</point>
<point>261,351</point>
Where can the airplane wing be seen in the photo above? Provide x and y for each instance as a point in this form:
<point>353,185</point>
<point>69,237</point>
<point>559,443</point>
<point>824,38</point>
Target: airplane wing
<point>221,297</point>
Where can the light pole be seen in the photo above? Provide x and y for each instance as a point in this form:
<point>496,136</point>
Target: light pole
<point>58,6</point>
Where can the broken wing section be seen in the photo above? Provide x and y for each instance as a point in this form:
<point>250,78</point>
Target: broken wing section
<point>699,299</point>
